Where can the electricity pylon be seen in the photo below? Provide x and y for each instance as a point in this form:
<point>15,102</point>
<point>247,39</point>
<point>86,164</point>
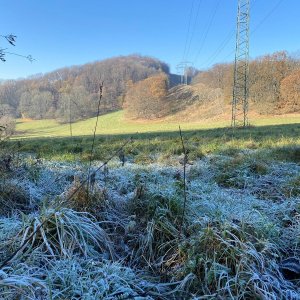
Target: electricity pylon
<point>240,103</point>
<point>182,68</point>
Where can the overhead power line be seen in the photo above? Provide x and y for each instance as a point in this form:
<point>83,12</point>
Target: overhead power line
<point>266,17</point>
<point>193,29</point>
<point>212,59</point>
<point>210,22</point>
<point>188,31</point>
<point>221,47</point>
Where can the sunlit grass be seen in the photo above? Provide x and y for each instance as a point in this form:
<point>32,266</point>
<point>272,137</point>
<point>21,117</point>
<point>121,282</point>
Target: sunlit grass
<point>157,140</point>
<point>115,123</point>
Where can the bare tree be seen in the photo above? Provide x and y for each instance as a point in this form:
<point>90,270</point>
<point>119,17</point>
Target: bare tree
<point>11,39</point>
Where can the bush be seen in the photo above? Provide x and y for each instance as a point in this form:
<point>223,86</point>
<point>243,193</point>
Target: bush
<point>7,127</point>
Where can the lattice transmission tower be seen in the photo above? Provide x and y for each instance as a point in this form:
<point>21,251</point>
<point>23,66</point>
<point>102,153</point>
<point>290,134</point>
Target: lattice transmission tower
<point>240,103</point>
<point>182,68</point>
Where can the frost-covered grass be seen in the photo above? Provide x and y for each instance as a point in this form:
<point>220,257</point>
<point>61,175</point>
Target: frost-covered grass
<point>126,237</point>
<point>64,232</point>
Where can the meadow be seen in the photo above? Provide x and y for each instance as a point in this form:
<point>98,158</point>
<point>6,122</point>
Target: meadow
<point>115,124</point>
<point>222,222</point>
<point>157,139</point>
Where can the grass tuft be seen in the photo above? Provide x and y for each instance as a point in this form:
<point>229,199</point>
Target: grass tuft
<point>64,233</point>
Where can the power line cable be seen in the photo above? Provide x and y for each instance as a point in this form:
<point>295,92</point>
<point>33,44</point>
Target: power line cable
<point>221,47</point>
<point>258,25</point>
<point>224,43</point>
<point>194,28</point>
<point>266,17</point>
<point>28,57</point>
<point>211,20</point>
<point>188,31</point>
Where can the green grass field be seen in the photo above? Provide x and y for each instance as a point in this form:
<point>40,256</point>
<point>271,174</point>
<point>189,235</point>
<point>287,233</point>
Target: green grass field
<point>115,124</point>
<point>156,140</point>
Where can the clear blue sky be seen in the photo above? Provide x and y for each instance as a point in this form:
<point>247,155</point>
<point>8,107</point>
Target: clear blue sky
<point>60,33</point>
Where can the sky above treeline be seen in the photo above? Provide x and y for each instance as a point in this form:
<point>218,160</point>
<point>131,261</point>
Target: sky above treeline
<point>60,33</point>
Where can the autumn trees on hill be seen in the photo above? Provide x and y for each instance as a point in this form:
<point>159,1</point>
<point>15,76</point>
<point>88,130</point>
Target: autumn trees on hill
<point>290,93</point>
<point>266,75</point>
<point>146,99</point>
<point>141,85</point>
<point>51,95</point>
<point>272,83</point>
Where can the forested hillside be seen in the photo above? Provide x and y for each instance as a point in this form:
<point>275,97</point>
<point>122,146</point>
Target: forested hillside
<point>49,95</point>
<point>273,89</point>
<point>144,87</point>
<point>273,83</point>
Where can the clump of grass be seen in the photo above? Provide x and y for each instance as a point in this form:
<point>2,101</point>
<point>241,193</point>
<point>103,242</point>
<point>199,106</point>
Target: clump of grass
<point>144,158</point>
<point>292,187</point>
<point>291,235</point>
<point>157,221</point>
<point>281,182</point>
<point>234,172</point>
<point>287,153</point>
<point>230,261</point>
<point>12,197</point>
<point>21,283</point>
<point>65,232</point>
<point>254,173</point>
<point>195,153</point>
<point>89,279</point>
<point>84,198</point>
<point>33,169</point>
<point>9,228</point>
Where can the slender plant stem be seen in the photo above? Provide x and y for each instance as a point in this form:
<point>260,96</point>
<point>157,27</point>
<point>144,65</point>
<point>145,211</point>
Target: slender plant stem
<point>184,181</point>
<point>94,136</point>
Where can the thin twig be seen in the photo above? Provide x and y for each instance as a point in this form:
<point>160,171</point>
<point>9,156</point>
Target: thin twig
<point>185,158</point>
<point>70,119</point>
<point>28,57</point>
<point>94,135</point>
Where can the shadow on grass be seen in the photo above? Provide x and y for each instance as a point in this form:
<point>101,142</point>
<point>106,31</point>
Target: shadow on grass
<point>283,140</point>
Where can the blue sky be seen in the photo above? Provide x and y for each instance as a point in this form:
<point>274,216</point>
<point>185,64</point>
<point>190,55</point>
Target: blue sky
<point>60,33</point>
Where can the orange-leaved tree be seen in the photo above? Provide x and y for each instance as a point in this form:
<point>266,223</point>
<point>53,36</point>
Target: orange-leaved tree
<point>146,99</point>
<point>290,93</point>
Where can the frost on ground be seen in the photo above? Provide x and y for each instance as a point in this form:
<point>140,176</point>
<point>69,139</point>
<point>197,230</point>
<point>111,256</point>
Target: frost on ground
<point>126,235</point>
